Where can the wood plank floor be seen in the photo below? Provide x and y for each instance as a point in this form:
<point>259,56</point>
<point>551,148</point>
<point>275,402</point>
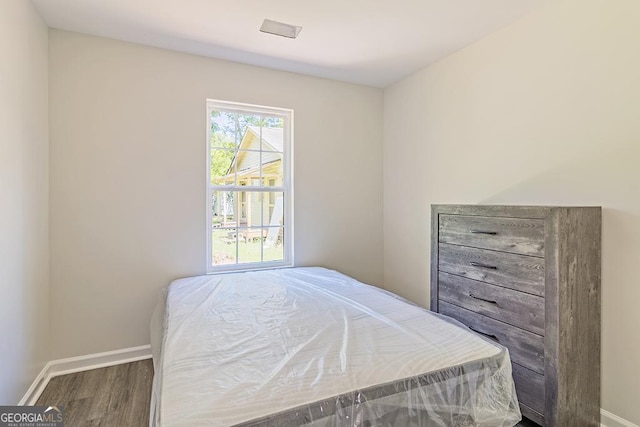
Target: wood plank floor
<point>115,396</point>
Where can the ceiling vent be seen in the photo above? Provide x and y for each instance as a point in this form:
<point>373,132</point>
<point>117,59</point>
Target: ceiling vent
<point>280,29</point>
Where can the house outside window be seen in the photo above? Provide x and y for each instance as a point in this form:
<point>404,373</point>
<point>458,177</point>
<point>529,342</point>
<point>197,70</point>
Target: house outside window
<point>249,187</point>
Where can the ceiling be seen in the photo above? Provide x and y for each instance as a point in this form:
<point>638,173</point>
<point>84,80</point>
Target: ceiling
<point>371,42</point>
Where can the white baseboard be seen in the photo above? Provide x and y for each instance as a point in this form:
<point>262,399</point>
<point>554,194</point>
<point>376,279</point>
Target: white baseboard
<point>82,363</point>
<point>607,419</point>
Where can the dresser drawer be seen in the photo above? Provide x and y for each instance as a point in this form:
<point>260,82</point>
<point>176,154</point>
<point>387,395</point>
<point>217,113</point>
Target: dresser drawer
<point>529,387</point>
<point>515,308</point>
<point>533,415</point>
<point>525,348</point>
<point>516,235</point>
<point>519,272</point>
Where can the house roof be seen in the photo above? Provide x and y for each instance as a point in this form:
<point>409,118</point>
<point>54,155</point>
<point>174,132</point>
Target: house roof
<point>272,136</point>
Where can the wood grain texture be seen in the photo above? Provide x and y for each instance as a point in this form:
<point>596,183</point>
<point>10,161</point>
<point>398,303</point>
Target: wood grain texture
<point>530,387</point>
<point>572,263</point>
<point>515,308</point>
<point>573,393</point>
<point>525,348</point>
<point>533,417</point>
<point>519,272</point>
<point>435,244</point>
<point>508,211</point>
<point>515,235</point>
<point>551,341</point>
<point>114,396</point>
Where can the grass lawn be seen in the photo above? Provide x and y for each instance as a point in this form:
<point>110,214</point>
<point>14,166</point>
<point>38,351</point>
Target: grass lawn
<point>224,250</point>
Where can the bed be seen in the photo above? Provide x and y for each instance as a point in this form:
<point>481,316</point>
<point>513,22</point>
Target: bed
<point>311,346</point>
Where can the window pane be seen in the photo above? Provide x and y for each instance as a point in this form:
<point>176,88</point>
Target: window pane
<point>224,246</point>
<point>250,244</point>
<point>223,130</point>
<point>273,209</point>
<point>248,164</point>
<point>223,165</point>
<point>224,208</point>
<point>232,130</point>
<point>272,133</point>
<point>259,168</point>
<point>272,172</point>
<point>273,246</point>
<point>246,130</point>
<point>250,208</point>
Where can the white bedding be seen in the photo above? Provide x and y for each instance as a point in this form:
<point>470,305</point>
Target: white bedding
<point>238,347</point>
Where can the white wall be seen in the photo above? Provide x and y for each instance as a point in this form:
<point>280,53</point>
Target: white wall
<point>545,111</point>
<point>24,210</point>
<point>128,178</point>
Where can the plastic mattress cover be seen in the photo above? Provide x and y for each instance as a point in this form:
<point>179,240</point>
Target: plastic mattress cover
<point>311,346</point>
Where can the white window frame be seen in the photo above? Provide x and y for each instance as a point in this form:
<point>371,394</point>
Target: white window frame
<point>286,188</point>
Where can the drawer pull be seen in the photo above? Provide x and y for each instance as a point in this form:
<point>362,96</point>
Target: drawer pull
<point>483,299</point>
<point>490,233</point>
<point>479,264</point>
<point>493,337</point>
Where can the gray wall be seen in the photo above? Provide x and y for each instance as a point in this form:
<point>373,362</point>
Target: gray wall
<point>24,202</point>
<point>543,112</point>
<point>128,173</point>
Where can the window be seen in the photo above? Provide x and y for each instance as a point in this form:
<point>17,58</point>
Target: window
<point>249,186</point>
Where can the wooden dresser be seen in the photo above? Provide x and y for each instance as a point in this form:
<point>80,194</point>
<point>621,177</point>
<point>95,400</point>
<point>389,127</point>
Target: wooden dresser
<point>528,277</point>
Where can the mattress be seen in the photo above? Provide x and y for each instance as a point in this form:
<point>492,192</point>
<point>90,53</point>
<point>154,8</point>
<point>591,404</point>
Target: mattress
<point>311,346</point>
